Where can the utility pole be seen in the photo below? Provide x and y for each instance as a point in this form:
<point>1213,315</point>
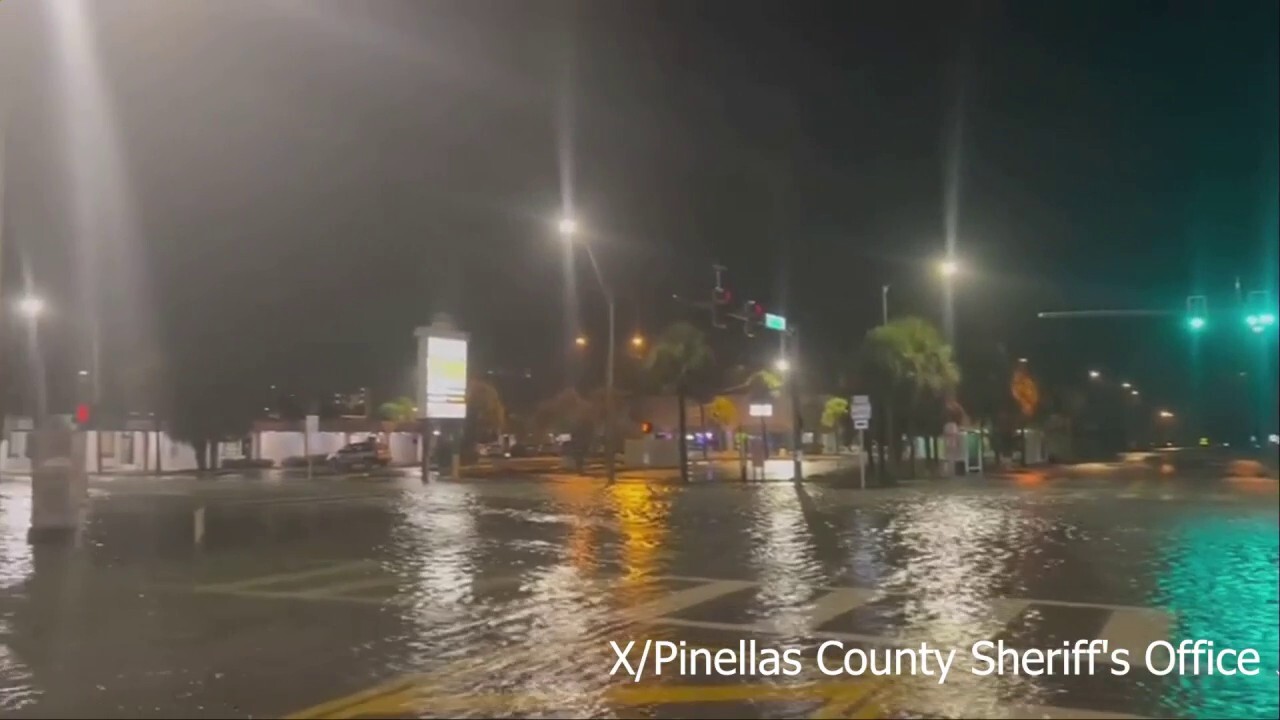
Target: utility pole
<point>884,304</point>
<point>797,464</point>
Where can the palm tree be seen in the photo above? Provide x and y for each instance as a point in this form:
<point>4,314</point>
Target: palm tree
<point>678,356</point>
<point>908,359</point>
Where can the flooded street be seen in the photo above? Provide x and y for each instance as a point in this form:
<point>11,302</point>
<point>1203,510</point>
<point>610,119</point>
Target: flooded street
<point>345,598</point>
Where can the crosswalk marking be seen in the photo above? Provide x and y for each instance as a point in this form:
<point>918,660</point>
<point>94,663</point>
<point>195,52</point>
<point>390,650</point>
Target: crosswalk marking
<point>1134,629</point>
<point>288,577</point>
<point>1126,626</point>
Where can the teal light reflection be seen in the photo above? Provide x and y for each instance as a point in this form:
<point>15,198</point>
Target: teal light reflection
<point>1222,580</point>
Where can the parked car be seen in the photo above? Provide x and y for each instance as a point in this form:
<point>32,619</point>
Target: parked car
<point>363,454</point>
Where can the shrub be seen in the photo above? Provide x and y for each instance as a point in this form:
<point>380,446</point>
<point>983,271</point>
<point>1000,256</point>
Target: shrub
<point>300,461</point>
<point>247,463</point>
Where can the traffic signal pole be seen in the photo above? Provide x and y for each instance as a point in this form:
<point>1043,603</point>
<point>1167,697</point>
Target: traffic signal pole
<point>797,464</point>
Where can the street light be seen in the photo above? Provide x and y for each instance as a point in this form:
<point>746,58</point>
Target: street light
<point>1126,385</point>
<point>568,227</point>
<point>783,365</point>
<point>1094,374</point>
<point>1166,414</point>
<point>637,341</point>
<point>1133,393</point>
<point>949,267</point>
<point>1022,360</point>
<point>31,306</point>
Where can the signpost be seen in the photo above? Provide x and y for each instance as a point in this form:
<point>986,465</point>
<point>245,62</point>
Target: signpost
<point>760,450</point>
<point>312,427</point>
<point>775,322</point>
<point>442,383</point>
<point>860,411</point>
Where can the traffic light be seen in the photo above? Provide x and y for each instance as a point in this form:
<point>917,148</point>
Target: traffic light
<point>720,298</point>
<point>82,416</point>
<point>1259,313</point>
<point>753,314</point>
<point>646,428</point>
<point>1197,312</point>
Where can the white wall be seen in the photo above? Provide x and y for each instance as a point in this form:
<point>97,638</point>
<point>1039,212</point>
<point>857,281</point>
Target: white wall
<point>277,445</point>
<point>17,443</point>
<point>180,457</point>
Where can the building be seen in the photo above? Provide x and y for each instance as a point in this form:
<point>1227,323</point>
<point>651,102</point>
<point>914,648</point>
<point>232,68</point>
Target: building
<point>136,445</point>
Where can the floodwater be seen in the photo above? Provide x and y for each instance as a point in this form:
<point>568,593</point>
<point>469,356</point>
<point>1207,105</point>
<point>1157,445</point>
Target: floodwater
<point>390,598</point>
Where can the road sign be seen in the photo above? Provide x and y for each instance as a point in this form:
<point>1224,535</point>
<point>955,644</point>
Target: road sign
<point>860,424</point>
<point>860,407</point>
<point>775,322</point>
<point>760,410</point>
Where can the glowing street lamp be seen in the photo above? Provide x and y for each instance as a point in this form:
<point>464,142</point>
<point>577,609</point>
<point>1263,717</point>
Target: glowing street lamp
<point>637,341</point>
<point>1094,374</point>
<point>949,267</point>
<point>1126,385</point>
<point>782,365</point>
<point>31,306</point>
<point>1133,393</point>
<point>1166,414</point>
<point>568,227</point>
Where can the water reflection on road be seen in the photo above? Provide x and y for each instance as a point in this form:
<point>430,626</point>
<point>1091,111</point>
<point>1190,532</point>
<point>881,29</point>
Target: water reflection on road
<point>500,598</point>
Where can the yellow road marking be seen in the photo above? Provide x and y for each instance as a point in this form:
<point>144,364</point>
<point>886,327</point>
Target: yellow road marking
<point>843,696</point>
<point>337,705</point>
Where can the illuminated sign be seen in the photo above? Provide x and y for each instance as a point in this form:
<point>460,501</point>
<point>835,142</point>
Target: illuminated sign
<point>760,410</point>
<point>775,322</point>
<point>446,371</point>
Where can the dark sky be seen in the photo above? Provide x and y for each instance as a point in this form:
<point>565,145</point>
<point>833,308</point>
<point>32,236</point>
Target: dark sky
<point>293,186</point>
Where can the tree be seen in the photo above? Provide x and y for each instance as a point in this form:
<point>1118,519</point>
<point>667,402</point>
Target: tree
<point>560,413</point>
<point>834,414</point>
<point>723,413</point>
<point>486,415</point>
<point>203,416</point>
<point>914,371</point>
<point>1026,392</point>
<point>678,356</point>
<point>400,410</point>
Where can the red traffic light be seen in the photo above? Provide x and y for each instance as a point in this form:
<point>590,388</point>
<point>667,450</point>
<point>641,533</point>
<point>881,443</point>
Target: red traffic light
<point>82,414</point>
<point>757,310</point>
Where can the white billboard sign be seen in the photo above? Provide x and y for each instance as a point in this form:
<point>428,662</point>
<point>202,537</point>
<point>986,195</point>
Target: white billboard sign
<point>446,372</point>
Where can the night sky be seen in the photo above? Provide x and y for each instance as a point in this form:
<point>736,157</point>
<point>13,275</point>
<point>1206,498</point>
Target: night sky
<point>296,185</point>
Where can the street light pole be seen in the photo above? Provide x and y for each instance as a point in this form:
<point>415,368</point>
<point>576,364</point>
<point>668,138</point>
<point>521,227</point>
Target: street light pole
<point>568,227</point>
<point>797,466</point>
<point>884,304</point>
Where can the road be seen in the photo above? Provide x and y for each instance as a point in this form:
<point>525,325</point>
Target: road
<point>388,598</point>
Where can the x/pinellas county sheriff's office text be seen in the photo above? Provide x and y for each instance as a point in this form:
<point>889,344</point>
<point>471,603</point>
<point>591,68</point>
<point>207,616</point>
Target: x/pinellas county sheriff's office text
<point>986,657</point>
